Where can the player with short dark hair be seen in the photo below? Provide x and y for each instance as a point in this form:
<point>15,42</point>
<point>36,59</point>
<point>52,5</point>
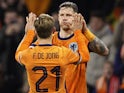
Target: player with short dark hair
<point>69,5</point>
<point>74,34</point>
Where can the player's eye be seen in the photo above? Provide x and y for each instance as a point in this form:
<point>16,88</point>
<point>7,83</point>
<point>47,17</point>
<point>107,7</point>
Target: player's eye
<point>68,15</point>
<point>61,14</point>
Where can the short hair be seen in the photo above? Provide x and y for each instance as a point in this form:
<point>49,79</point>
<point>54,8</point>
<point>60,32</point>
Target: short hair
<point>44,25</point>
<point>69,4</point>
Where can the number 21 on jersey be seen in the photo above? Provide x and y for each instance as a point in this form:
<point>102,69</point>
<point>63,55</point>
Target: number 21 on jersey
<point>55,70</point>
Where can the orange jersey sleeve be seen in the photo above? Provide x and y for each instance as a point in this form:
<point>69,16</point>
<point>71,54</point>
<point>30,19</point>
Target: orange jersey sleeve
<point>25,43</point>
<point>71,56</point>
<point>83,46</point>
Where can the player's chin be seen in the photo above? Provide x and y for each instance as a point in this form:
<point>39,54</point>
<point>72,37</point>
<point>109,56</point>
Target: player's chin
<point>66,28</point>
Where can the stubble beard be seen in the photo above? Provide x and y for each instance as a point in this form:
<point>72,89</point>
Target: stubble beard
<point>66,27</point>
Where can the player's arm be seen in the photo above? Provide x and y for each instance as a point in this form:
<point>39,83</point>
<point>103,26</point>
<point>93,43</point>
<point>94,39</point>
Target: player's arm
<point>95,44</point>
<point>28,37</point>
<point>73,57</point>
<point>79,60</point>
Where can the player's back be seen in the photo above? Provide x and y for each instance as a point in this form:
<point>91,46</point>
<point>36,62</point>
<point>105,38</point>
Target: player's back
<point>46,66</point>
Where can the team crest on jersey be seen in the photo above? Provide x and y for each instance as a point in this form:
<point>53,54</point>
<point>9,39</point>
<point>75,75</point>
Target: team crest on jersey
<point>73,46</point>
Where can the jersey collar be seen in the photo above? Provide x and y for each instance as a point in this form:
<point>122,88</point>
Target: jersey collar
<point>66,37</point>
<point>41,45</point>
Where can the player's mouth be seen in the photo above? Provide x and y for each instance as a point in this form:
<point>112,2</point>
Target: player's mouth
<point>66,23</point>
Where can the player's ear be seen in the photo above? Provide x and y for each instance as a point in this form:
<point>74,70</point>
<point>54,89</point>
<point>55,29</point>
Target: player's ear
<point>54,29</point>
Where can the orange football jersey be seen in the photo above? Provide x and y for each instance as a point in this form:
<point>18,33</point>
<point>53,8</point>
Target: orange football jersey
<point>45,65</point>
<point>75,75</point>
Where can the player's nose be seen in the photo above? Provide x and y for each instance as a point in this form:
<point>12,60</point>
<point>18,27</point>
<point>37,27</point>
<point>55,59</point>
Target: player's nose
<point>64,19</point>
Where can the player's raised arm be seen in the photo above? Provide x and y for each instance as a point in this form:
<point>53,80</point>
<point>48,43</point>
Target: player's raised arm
<point>28,37</point>
<point>95,44</point>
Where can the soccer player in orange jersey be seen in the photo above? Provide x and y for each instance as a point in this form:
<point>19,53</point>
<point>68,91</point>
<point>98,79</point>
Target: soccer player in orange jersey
<point>74,34</point>
<point>45,63</point>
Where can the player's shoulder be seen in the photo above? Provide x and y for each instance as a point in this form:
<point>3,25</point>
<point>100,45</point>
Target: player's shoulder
<point>78,33</point>
<point>80,36</point>
<point>62,48</point>
<point>55,33</point>
<point>27,51</point>
<point>55,38</point>
<point>65,49</point>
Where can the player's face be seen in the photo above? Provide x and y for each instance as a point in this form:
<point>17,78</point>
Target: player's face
<point>66,18</point>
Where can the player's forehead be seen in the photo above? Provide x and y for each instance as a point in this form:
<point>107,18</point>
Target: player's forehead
<point>66,10</point>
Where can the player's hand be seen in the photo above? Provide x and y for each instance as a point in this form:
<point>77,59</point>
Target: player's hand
<point>79,22</point>
<point>84,26</point>
<point>30,22</point>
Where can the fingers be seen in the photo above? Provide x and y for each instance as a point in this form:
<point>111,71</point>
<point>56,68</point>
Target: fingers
<point>78,18</point>
<point>32,17</point>
<point>27,19</point>
<point>30,22</point>
<point>81,18</point>
<point>79,22</point>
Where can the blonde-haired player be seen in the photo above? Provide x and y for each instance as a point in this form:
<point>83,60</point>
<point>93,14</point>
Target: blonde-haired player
<point>45,63</point>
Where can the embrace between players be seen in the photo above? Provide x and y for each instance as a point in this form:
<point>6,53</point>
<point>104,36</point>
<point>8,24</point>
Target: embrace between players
<point>56,63</point>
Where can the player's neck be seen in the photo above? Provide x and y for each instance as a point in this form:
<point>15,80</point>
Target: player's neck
<point>44,41</point>
<point>65,34</point>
